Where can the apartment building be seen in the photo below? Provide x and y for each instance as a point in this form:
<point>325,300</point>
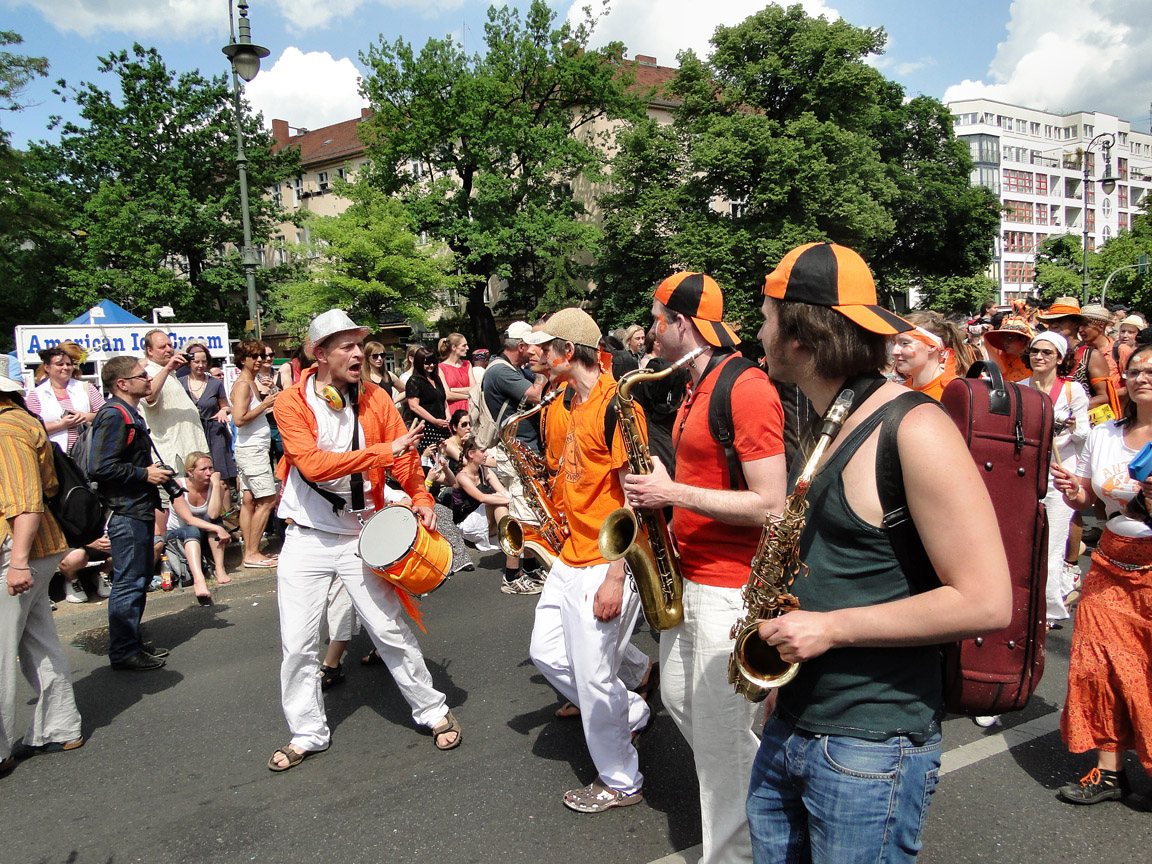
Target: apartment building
<point>1035,161</point>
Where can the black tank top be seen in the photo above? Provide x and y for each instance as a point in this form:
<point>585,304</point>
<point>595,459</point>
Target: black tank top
<point>870,693</point>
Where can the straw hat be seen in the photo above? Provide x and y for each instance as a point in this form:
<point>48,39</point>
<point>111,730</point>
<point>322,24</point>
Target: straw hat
<point>1063,307</point>
<point>1097,314</point>
<point>1009,326</point>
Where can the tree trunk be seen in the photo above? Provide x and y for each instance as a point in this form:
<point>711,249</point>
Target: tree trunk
<point>483,321</point>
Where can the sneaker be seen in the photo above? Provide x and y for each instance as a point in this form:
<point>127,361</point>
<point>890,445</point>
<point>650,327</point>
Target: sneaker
<point>1096,786</point>
<point>103,586</point>
<point>1072,574</point>
<point>521,585</point>
<point>987,721</point>
<point>74,591</point>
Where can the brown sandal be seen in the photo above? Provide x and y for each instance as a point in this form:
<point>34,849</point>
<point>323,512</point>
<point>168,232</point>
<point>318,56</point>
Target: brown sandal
<point>453,726</point>
<point>291,755</point>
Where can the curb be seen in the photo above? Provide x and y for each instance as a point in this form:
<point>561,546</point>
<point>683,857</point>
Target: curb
<point>74,618</point>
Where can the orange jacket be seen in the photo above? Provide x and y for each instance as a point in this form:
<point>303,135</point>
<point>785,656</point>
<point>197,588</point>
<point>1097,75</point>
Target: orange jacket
<point>382,425</point>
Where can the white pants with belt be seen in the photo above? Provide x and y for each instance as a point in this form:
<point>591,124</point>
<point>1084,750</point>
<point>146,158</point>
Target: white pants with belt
<point>28,643</point>
<point>716,722</point>
<point>581,656</point>
<point>309,562</point>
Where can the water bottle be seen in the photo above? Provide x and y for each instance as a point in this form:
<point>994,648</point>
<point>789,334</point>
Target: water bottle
<point>166,583</point>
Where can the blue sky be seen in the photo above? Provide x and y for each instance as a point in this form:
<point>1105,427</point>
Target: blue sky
<point>1062,55</point>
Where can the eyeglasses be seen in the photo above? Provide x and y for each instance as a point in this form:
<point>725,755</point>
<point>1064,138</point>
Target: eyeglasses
<point>1137,374</point>
<point>377,356</point>
<point>268,356</point>
<point>134,377</point>
<point>1041,352</point>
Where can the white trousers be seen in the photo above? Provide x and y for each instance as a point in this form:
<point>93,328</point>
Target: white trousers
<point>309,562</point>
<point>1059,521</point>
<point>342,623</point>
<point>716,722</point>
<point>581,657</point>
<point>28,643</point>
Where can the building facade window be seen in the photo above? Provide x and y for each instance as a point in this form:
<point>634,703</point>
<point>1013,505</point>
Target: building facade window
<point>1041,184</point>
<point>1105,233</point>
<point>1019,241</point>
<point>984,149</point>
<point>1106,208</point>
<point>1091,223</point>
<point>1123,221</point>
<point>322,181</point>
<point>1042,214</point>
<point>1018,272</point>
<point>1018,211</point>
<point>1122,195</point>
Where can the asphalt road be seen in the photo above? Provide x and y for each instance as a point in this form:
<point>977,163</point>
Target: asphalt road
<point>174,770</point>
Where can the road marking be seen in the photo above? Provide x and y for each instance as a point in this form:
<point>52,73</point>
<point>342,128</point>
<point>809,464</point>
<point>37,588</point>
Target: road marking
<point>952,760</point>
<point>993,745</point>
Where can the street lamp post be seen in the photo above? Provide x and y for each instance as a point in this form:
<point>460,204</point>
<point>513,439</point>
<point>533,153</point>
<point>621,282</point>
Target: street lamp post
<point>1107,186</point>
<point>245,58</point>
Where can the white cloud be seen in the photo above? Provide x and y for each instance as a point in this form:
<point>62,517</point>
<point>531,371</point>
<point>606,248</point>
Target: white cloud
<point>308,90</point>
<point>136,17</point>
<point>662,28</point>
<point>1069,55</point>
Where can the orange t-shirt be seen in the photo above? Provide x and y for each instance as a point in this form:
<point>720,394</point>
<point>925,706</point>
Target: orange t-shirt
<point>935,387</point>
<point>1013,367</point>
<point>588,486</point>
<point>713,553</point>
<point>554,428</point>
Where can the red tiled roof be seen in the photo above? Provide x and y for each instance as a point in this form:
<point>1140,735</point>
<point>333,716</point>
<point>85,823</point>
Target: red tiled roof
<point>650,76</point>
<point>326,144</point>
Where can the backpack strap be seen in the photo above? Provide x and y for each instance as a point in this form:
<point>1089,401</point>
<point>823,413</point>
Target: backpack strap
<point>897,520</point>
<point>720,422</point>
<point>611,421</point>
<point>127,420</point>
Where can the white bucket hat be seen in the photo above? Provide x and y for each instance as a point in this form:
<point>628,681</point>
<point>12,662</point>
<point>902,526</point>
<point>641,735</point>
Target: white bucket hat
<point>332,322</point>
<point>10,385</point>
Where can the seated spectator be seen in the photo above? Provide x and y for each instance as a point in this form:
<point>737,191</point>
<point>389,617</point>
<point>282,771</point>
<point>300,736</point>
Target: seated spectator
<point>480,502</point>
<point>453,450</point>
<point>76,560</point>
<point>194,519</point>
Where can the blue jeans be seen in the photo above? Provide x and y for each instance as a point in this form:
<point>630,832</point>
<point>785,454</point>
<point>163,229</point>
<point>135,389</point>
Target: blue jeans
<point>829,798</point>
<point>132,565</point>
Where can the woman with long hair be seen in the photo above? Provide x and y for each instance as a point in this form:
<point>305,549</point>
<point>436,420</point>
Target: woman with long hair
<point>426,398</point>
<point>926,357</point>
<point>215,412</point>
<point>1051,362</point>
<point>455,371</point>
<point>195,519</point>
<point>1109,704</point>
<point>253,451</point>
<point>460,425</point>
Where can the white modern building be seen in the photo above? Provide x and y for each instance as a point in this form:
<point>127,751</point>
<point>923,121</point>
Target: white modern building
<point>1034,162</point>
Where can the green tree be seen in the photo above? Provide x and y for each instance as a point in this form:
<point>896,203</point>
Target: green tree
<point>490,152</point>
<point>23,210</point>
<point>149,178</point>
<point>800,140</point>
<point>955,294</point>
<point>1059,266</point>
<point>368,262</point>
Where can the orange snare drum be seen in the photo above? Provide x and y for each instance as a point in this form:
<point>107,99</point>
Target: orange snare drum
<point>396,547</point>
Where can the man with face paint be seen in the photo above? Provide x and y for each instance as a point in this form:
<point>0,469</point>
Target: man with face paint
<point>716,524</point>
<point>587,609</point>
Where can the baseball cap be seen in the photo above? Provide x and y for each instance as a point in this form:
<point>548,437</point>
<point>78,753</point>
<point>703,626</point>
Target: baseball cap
<point>572,325</point>
<point>699,297</point>
<point>825,274</point>
<point>518,330</point>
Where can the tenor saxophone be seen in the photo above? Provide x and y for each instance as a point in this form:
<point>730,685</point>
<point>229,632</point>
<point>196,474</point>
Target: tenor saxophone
<point>756,667</point>
<point>651,553</point>
<point>546,537</point>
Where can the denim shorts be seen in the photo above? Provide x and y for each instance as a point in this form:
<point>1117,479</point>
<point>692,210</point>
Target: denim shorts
<point>834,799</point>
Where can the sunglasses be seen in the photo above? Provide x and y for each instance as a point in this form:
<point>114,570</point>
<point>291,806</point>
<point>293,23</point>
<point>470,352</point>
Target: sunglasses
<point>1041,352</point>
<point>134,377</point>
<point>377,356</point>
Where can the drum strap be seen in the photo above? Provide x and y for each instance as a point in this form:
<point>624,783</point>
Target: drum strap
<point>339,505</point>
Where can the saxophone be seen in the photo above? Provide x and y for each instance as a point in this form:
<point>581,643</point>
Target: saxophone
<point>547,536</point>
<point>756,667</point>
<point>651,554</point>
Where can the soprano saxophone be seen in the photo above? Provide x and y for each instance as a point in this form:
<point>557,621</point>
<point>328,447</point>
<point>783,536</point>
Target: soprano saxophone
<point>546,537</point>
<point>651,553</point>
<point>756,667</point>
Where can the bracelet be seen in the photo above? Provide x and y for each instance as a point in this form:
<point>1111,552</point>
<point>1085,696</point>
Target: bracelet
<point>29,569</point>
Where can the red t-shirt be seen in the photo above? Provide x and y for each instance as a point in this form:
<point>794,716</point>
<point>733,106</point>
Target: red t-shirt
<point>713,553</point>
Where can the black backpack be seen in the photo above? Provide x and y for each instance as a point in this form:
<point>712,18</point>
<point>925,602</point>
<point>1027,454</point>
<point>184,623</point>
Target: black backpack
<point>75,504</point>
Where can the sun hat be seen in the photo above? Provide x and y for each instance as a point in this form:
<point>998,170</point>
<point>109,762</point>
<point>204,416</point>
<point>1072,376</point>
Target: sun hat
<point>1052,338</point>
<point>518,330</point>
<point>1062,307</point>
<point>825,274</point>
<point>1096,312</point>
<point>10,385</point>
<point>572,325</point>
<point>699,297</point>
<point>1009,326</point>
<point>1134,320</point>
<point>332,322</point>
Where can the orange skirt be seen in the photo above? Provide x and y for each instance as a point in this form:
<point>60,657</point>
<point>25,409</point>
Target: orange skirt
<point>1109,704</point>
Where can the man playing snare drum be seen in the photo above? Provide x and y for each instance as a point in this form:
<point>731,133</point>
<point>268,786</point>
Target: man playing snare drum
<point>333,476</point>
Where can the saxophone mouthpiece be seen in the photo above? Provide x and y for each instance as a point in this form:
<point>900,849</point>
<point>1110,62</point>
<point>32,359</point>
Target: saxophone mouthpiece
<point>838,413</point>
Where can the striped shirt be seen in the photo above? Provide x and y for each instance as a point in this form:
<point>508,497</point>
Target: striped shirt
<point>27,472</point>
<point>51,413</point>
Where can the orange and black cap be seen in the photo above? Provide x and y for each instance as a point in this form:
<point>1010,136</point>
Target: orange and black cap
<point>824,274</point>
<point>699,297</point>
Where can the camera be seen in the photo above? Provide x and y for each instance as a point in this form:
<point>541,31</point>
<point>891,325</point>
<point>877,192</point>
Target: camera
<point>174,489</point>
